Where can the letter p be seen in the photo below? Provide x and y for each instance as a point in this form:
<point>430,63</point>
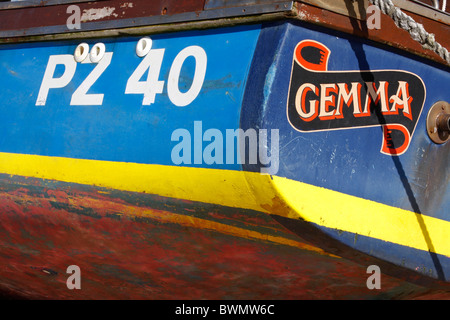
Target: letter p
<point>49,82</point>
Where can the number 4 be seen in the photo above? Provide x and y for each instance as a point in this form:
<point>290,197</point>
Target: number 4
<point>152,85</point>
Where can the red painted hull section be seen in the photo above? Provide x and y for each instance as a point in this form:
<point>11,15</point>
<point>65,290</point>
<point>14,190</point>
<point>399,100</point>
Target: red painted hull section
<point>137,246</point>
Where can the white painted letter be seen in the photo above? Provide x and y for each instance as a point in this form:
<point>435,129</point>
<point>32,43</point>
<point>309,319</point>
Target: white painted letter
<point>80,97</point>
<point>49,82</point>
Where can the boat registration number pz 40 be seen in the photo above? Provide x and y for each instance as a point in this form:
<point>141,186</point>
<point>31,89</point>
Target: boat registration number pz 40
<point>149,87</point>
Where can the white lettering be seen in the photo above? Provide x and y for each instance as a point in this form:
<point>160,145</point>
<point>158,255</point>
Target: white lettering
<point>177,97</point>
<point>80,96</point>
<point>49,82</point>
<point>152,85</point>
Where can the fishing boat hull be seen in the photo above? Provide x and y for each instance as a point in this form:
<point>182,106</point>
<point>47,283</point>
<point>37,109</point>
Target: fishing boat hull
<point>272,160</point>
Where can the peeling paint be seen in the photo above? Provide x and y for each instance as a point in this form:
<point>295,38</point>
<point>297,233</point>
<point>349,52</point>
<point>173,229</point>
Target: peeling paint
<point>97,14</point>
<point>127,5</point>
<point>305,15</point>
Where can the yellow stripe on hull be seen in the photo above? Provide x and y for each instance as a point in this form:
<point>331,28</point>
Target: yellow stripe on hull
<point>248,190</point>
<point>340,211</point>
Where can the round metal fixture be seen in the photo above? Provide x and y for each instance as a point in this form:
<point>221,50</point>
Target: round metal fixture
<point>438,122</point>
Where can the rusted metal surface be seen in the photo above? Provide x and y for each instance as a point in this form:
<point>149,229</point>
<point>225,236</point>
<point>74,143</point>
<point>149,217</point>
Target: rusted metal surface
<point>423,8</point>
<point>100,18</point>
<point>358,7</point>
<point>137,246</point>
<point>112,14</point>
<point>388,34</point>
<point>34,17</point>
<point>438,122</point>
<point>431,4</point>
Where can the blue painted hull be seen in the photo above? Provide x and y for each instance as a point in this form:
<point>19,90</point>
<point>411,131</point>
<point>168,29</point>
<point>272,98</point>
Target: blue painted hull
<point>349,159</point>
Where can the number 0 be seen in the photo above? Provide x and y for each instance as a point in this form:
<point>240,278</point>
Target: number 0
<point>177,97</point>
